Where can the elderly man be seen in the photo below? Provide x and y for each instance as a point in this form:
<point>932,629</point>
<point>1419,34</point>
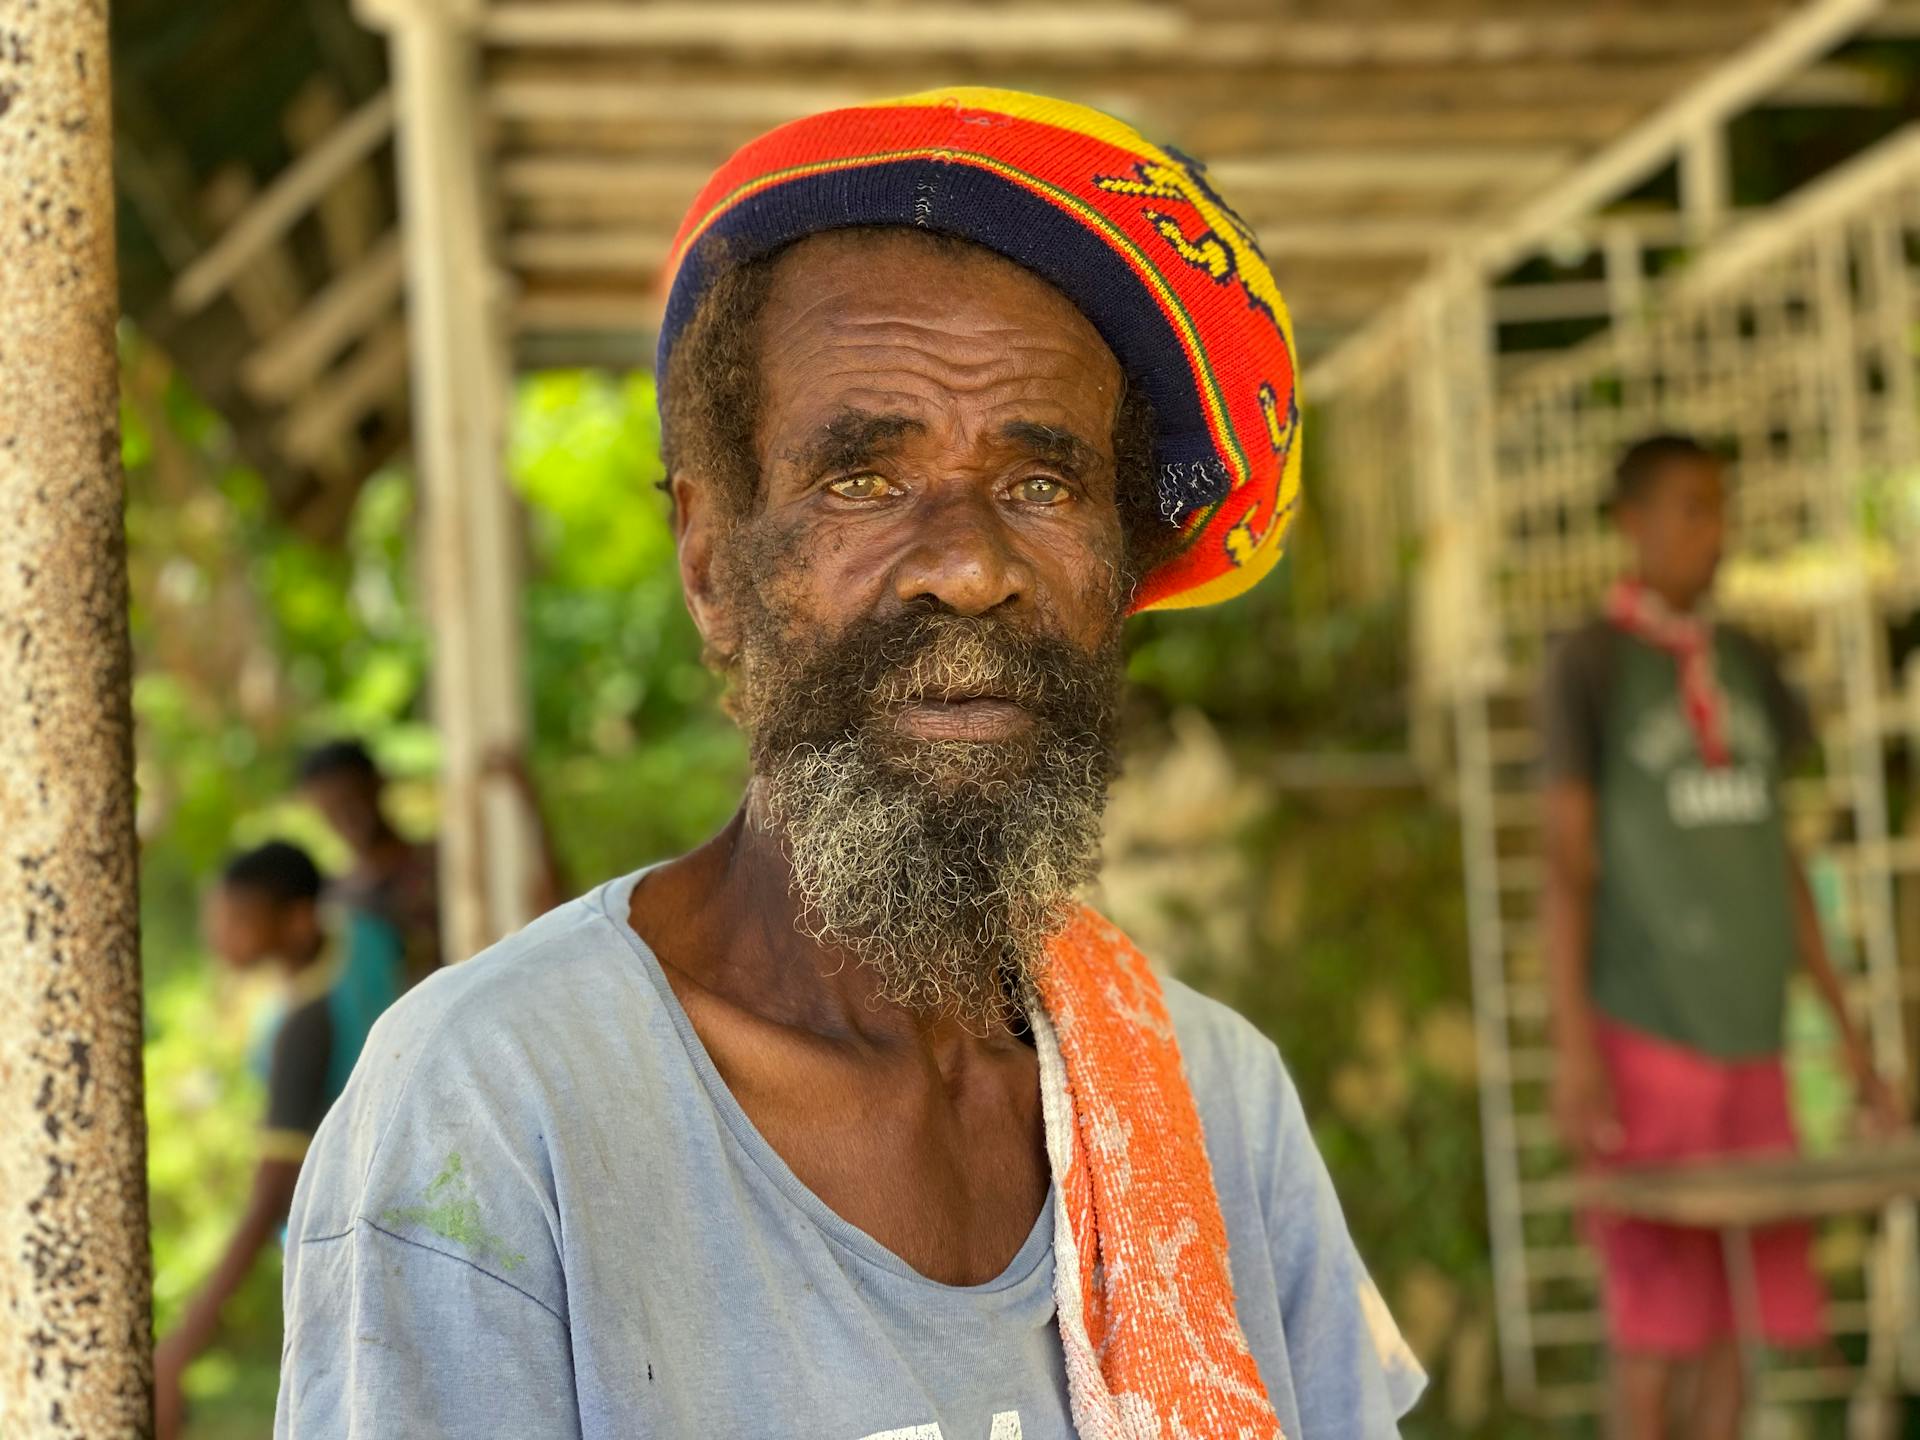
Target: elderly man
<point>851,1124</point>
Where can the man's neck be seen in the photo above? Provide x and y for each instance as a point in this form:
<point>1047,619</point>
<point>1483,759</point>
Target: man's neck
<point>724,918</point>
<point>387,853</point>
<point>926,1136</point>
<point>304,956</point>
<point>1681,603</point>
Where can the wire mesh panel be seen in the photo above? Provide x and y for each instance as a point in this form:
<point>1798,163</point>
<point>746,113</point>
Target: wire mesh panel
<point>1363,440</point>
<point>1790,348</point>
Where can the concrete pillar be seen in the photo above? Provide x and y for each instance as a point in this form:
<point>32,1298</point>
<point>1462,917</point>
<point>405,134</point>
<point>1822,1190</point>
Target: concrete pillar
<point>75,1336</point>
<point>456,323</point>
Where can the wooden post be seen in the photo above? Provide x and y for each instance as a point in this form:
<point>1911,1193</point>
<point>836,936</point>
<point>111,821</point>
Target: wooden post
<point>1704,195</point>
<point>1626,275</point>
<point>455,318</point>
<point>75,1338</point>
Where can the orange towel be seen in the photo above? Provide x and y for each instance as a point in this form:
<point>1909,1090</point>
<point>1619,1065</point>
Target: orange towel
<point>1153,1345</point>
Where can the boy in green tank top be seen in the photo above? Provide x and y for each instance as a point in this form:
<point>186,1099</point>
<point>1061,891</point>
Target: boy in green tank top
<point>1675,912</point>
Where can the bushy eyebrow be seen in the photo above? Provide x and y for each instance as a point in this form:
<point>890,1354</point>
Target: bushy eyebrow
<point>1055,446</point>
<point>850,439</point>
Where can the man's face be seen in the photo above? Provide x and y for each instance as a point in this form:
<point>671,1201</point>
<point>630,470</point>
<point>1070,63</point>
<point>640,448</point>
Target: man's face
<point>1678,528</point>
<point>350,803</point>
<point>245,928</point>
<point>922,607</point>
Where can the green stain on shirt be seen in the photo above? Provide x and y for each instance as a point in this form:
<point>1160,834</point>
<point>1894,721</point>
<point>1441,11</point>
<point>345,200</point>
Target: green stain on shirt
<point>450,1210</point>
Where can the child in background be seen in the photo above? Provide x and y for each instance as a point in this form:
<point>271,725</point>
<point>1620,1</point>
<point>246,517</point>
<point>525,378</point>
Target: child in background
<point>395,878</point>
<point>341,971</point>
<point>392,877</point>
<point>1675,913</point>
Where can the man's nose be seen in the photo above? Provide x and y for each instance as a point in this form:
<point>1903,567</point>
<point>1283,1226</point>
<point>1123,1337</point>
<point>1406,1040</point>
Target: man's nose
<point>964,558</point>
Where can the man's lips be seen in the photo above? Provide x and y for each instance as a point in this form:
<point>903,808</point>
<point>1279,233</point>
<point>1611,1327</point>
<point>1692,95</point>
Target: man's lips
<point>963,717</point>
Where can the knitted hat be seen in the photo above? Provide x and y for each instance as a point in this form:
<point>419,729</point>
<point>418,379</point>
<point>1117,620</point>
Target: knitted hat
<point>1129,231</point>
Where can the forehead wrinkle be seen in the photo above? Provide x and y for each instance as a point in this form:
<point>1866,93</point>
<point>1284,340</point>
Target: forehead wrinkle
<point>928,354</point>
<point>994,334</point>
<point>839,326</point>
<point>873,333</point>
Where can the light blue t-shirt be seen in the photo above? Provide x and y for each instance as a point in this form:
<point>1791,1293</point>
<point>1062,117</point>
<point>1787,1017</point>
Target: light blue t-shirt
<point>537,1211</point>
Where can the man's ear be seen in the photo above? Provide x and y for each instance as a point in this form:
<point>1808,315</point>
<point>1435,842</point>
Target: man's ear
<point>699,531</point>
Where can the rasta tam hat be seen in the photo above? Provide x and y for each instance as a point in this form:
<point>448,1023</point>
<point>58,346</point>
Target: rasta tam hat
<point>1129,231</point>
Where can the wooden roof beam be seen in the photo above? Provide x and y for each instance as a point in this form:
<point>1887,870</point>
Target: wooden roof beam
<point>277,209</point>
<point>842,29</point>
<point>755,105</point>
<point>1736,85</point>
<point>1396,168</point>
<point>323,422</point>
<point>649,85</point>
<point>611,128</point>
<point>342,313</point>
<point>1733,87</point>
<point>1836,86</point>
<point>1093,34</point>
<point>351,213</point>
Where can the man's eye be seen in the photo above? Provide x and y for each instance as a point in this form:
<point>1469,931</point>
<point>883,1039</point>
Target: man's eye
<point>861,487</point>
<point>1041,490</point>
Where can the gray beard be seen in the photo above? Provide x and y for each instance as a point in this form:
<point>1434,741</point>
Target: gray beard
<point>942,866</point>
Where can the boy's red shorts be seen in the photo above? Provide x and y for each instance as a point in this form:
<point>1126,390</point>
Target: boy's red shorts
<point>1666,1286</point>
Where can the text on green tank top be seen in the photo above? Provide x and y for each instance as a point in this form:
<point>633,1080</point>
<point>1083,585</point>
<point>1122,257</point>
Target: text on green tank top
<point>1693,929</point>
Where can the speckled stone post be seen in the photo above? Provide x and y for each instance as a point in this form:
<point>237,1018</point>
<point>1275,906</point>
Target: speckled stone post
<point>75,1333</point>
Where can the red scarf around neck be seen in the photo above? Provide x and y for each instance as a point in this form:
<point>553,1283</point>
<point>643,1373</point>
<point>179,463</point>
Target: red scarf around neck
<point>1689,639</point>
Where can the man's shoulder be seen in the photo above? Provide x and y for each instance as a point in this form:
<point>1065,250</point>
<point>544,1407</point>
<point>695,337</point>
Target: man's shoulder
<point>1584,652</point>
<point>526,977</point>
<point>1205,1025</point>
<point>470,1059</point>
<point>1229,1061</point>
<point>549,987</point>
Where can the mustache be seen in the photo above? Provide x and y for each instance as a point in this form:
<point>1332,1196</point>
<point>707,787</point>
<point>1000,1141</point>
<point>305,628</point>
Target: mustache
<point>939,657</point>
<point>925,653</point>
<point>849,685</point>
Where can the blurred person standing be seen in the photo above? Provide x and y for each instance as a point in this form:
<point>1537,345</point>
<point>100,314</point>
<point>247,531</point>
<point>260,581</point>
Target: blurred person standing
<point>1676,912</point>
<point>395,878</point>
<point>340,969</point>
<point>392,877</point>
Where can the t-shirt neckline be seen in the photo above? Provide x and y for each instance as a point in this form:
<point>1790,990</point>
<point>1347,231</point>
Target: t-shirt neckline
<point>615,900</point>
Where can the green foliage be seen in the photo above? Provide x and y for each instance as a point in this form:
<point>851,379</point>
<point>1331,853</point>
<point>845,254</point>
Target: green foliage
<point>1294,662</point>
<point>1369,1004</point>
<point>631,744</point>
<point>203,1104</point>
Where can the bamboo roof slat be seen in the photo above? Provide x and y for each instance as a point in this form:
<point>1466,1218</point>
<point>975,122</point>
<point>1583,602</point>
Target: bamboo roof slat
<point>325,415</point>
<point>292,195</point>
<point>295,355</point>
